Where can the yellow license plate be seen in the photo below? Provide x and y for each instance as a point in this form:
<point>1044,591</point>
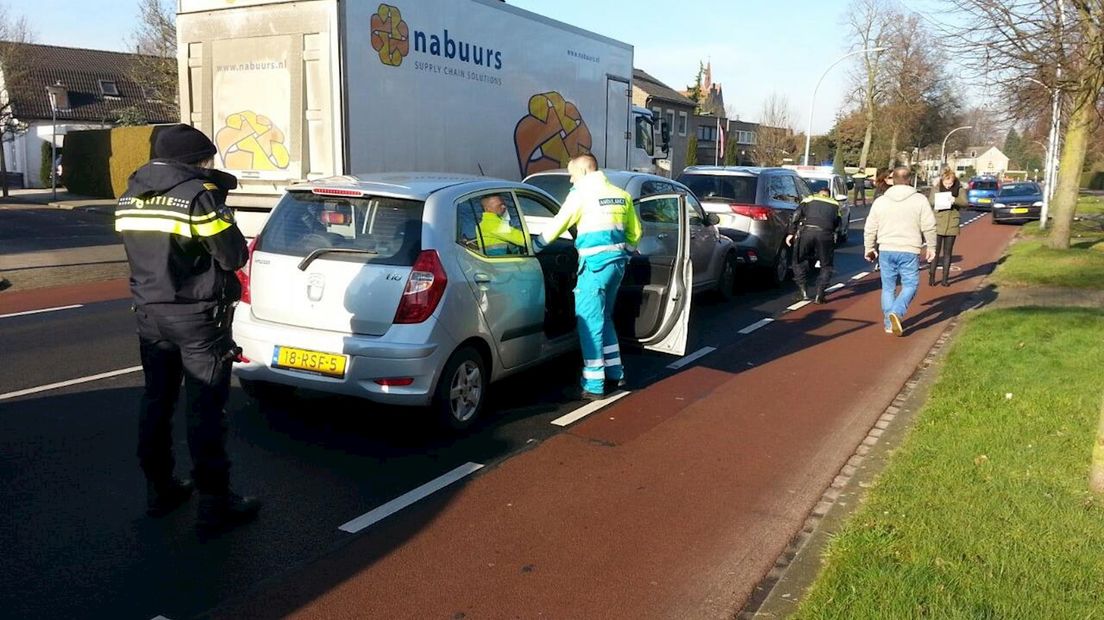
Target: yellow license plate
<point>328,364</point>
<point>985,200</point>
<point>1018,210</point>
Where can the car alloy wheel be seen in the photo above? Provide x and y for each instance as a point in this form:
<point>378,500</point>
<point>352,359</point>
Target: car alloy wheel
<point>461,390</point>
<point>466,391</point>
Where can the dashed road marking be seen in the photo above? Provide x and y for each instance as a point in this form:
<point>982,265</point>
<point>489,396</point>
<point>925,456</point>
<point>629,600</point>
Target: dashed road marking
<point>799,305</point>
<point>756,325</point>
<point>61,384</point>
<point>589,408</point>
<point>696,355</point>
<point>59,308</point>
<point>835,287</point>
<point>410,497</point>
<point>860,275</point>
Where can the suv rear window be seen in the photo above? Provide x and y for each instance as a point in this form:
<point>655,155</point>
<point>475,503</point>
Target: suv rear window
<point>985,185</point>
<point>815,185</point>
<point>303,222</point>
<point>725,187</point>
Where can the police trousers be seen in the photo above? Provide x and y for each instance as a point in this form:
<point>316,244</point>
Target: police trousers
<point>595,296</point>
<point>819,245</point>
<point>189,348</point>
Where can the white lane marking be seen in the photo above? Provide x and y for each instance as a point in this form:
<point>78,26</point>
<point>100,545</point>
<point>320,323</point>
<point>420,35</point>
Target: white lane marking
<point>860,276</point>
<point>700,353</point>
<point>61,384</point>
<point>159,618</point>
<point>406,499</point>
<point>7,316</point>
<point>799,305</point>
<point>589,408</point>
<point>857,219</point>
<point>756,325</point>
<point>835,287</point>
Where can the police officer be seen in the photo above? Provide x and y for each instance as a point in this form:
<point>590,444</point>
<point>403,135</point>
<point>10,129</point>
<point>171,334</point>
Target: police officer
<point>183,248</point>
<point>813,229</point>
<point>607,231</point>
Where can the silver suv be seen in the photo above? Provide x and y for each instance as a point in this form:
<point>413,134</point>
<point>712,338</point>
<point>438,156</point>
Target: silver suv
<point>383,287</point>
<point>755,206</point>
<point>712,254</point>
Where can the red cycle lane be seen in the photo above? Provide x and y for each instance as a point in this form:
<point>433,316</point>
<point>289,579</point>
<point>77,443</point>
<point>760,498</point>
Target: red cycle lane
<point>672,503</point>
<point>12,302</point>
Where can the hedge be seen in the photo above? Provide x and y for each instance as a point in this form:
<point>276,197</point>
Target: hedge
<point>98,162</point>
<point>1093,180</point>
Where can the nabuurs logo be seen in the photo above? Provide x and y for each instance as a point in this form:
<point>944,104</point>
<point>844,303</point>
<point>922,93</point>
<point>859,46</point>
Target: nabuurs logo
<point>391,38</point>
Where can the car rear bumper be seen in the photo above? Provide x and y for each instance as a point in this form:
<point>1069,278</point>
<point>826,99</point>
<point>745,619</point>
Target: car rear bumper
<point>370,358</point>
<point>1016,214</point>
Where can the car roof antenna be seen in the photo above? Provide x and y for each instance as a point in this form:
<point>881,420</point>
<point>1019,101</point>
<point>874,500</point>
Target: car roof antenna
<point>480,166</point>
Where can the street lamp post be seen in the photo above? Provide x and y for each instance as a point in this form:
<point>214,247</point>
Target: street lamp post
<point>55,92</point>
<point>943,150</point>
<point>1050,166</point>
<point>809,127</point>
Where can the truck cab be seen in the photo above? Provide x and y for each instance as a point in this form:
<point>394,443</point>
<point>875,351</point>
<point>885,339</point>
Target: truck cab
<point>651,141</point>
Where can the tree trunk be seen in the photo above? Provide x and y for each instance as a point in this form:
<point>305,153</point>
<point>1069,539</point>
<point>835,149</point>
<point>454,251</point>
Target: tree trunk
<point>1064,205</point>
<point>867,139</point>
<point>1096,470</point>
<point>893,149</point>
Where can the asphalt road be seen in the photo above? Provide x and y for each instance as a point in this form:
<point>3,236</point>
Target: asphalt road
<point>76,540</point>
<point>30,229</point>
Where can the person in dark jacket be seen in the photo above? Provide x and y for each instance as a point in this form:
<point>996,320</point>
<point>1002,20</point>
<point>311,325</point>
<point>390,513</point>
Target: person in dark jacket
<point>813,230</point>
<point>183,247</point>
<point>947,198</point>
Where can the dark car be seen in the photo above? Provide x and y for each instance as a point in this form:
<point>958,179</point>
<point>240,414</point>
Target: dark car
<point>755,206</point>
<point>1018,202</point>
<point>982,191</point>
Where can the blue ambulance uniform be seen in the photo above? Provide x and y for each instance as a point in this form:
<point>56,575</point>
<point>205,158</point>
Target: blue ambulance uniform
<point>607,233</point>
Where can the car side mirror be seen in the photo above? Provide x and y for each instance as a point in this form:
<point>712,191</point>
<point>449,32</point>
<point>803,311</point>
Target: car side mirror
<point>850,185</point>
<point>712,219</point>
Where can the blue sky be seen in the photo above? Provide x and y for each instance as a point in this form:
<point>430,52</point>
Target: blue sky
<point>756,47</point>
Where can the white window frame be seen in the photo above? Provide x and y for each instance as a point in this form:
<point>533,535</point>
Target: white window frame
<point>684,122</point>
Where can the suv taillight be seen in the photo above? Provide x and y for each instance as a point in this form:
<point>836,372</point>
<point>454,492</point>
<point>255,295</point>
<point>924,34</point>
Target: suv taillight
<point>972,185</point>
<point>424,289</point>
<point>243,273</point>
<point>755,212</point>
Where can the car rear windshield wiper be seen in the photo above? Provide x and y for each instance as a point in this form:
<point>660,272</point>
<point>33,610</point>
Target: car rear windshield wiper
<point>303,264</point>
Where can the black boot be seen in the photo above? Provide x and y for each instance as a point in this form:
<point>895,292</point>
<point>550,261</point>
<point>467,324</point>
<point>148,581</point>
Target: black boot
<point>931,277</point>
<point>802,292</point>
<point>819,299</point>
<point>163,498</point>
<point>219,513</point>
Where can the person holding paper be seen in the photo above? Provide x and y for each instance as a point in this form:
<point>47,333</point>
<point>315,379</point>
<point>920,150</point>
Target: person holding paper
<point>947,198</point>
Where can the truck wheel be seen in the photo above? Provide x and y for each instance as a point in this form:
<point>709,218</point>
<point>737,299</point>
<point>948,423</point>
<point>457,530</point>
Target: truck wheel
<point>461,390</point>
<point>726,282</point>
<point>265,392</point>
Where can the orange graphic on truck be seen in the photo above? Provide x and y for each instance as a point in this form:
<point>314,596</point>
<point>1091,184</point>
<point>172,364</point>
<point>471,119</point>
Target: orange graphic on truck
<point>250,141</point>
<point>390,35</point>
<point>550,135</point>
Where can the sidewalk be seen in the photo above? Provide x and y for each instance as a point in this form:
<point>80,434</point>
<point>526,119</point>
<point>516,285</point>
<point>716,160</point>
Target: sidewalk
<point>45,197</point>
<point>674,502</point>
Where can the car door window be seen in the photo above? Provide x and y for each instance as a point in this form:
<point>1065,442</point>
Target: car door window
<point>697,213</point>
<point>653,188</point>
<point>483,230</point>
<point>538,213</point>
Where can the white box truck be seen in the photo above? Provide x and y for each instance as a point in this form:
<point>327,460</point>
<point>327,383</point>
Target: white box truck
<point>299,90</point>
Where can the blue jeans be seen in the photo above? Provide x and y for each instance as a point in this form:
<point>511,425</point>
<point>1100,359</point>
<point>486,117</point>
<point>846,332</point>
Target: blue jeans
<point>595,296</point>
<point>893,264</point>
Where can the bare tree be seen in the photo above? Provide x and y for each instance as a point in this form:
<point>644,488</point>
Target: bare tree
<point>155,38</point>
<point>13,31</point>
<point>775,137</point>
<point>869,22</point>
<point>1060,43</point>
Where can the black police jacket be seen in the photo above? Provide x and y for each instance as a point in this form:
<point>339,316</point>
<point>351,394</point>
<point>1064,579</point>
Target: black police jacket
<point>180,237</point>
<point>818,211</point>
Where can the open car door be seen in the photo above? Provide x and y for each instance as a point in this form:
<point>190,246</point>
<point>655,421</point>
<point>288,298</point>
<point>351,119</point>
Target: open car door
<point>653,306</point>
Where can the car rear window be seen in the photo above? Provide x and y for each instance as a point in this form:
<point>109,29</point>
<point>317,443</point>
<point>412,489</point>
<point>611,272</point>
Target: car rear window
<point>815,185</point>
<point>985,185</point>
<point>1019,190</point>
<point>725,187</point>
<point>304,222</point>
<point>557,185</point>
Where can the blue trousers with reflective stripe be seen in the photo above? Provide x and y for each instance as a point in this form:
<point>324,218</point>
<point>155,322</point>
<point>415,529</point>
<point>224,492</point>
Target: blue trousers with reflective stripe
<point>595,295</point>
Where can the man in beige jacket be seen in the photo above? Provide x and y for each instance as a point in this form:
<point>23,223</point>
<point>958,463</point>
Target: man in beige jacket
<point>900,223</point>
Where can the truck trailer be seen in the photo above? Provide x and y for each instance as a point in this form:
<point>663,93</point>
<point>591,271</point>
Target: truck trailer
<point>293,91</point>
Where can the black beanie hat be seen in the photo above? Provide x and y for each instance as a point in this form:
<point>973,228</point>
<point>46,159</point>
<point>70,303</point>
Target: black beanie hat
<point>183,143</point>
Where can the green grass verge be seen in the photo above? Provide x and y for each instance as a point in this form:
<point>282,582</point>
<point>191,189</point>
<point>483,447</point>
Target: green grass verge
<point>985,512</point>
<point>1030,262</point>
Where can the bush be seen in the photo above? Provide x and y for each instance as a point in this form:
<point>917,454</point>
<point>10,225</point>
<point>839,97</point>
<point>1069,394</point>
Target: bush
<point>98,162</point>
<point>1093,180</point>
<point>45,168</point>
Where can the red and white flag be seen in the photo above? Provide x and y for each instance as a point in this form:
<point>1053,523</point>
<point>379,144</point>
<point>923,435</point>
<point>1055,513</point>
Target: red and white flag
<point>718,155</point>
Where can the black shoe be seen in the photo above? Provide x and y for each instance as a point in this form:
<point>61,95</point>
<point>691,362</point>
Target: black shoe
<point>591,396</point>
<point>219,513</point>
<point>819,299</point>
<point>802,293</point>
<point>931,279</point>
<point>612,385</point>
<point>4,284</point>
<point>161,499</point>
<point>946,283</point>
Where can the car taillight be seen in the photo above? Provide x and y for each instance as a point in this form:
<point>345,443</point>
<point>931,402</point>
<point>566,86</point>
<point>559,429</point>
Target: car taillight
<point>424,289</point>
<point>243,273</point>
<point>972,184</point>
<point>755,212</point>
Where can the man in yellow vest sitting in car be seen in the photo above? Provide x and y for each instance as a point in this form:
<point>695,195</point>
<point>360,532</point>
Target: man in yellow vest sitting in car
<point>495,229</point>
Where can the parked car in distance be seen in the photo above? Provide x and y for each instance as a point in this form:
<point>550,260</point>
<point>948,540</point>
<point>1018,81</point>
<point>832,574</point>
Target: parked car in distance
<point>981,191</point>
<point>1018,202</point>
<point>383,287</point>
<point>755,206</point>
<point>712,254</point>
<point>822,177</point>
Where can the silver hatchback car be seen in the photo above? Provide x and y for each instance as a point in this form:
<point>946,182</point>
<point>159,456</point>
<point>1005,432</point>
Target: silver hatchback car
<point>386,287</point>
